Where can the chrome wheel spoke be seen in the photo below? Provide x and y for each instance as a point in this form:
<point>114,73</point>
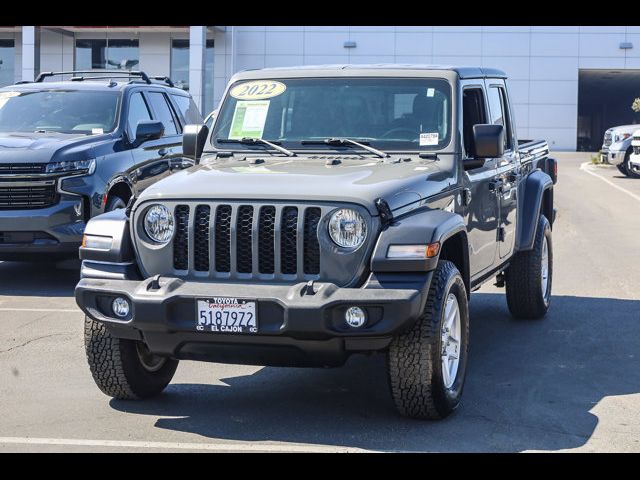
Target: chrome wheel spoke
<point>544,268</point>
<point>450,336</point>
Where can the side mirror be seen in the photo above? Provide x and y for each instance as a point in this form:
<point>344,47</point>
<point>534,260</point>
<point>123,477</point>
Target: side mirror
<point>488,140</point>
<point>193,138</point>
<point>149,130</point>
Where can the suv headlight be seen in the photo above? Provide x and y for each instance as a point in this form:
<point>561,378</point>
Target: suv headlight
<point>75,166</point>
<point>158,223</point>
<point>347,228</point>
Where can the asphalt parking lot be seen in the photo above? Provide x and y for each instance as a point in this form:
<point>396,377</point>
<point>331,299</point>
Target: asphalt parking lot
<point>568,382</point>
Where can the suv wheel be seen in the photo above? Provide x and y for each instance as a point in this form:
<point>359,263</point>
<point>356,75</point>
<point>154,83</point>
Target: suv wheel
<point>427,364</point>
<point>114,202</point>
<point>528,278</point>
<point>125,369</point>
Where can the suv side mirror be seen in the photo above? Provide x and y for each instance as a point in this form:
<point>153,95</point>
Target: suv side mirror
<point>488,140</point>
<point>193,138</point>
<point>149,130</point>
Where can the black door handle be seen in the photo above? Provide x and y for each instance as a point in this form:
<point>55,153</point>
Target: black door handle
<point>163,151</point>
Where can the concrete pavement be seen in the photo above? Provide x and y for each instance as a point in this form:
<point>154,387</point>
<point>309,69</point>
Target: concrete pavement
<point>568,382</point>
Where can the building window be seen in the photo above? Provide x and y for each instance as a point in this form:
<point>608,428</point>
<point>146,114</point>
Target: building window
<point>121,54</point>
<point>7,62</point>
<point>207,93</point>
<point>180,63</point>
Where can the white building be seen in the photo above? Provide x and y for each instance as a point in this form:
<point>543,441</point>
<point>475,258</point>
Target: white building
<point>567,83</point>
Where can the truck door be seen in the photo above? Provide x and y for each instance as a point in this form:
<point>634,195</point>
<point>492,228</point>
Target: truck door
<point>507,167</point>
<point>481,210</point>
<point>154,157</point>
<point>148,162</point>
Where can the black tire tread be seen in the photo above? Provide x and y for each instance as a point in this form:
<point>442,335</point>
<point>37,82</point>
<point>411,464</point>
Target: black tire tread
<point>116,369</point>
<point>411,354</point>
<point>522,279</point>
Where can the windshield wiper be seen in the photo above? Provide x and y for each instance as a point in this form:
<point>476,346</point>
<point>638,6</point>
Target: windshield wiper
<point>254,141</point>
<point>346,141</point>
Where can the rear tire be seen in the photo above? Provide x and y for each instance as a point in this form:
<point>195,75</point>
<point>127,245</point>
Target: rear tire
<point>528,285</point>
<point>421,385</point>
<point>125,369</point>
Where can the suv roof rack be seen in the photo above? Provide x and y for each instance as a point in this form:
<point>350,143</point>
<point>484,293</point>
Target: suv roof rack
<point>78,76</point>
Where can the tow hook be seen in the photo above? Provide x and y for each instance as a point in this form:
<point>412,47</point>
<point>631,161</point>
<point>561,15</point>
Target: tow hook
<point>309,288</point>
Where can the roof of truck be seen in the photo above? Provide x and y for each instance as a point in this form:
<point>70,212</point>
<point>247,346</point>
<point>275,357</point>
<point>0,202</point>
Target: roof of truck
<point>386,69</point>
<point>93,85</point>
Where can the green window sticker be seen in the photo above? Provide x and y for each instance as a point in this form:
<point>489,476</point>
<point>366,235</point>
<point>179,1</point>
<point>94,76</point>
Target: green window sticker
<point>249,119</point>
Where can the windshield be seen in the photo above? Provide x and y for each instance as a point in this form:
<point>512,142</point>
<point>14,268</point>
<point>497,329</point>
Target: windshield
<point>60,111</point>
<point>387,113</point>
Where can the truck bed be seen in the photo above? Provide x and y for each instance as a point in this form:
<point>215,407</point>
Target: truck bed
<point>532,150</point>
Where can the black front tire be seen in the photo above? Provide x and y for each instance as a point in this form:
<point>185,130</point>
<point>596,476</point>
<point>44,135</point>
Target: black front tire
<point>415,356</point>
<point>527,298</point>
<point>114,202</point>
<point>124,369</point>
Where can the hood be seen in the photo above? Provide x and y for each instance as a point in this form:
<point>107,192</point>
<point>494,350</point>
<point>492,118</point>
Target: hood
<point>359,180</point>
<point>24,147</point>
<point>624,129</point>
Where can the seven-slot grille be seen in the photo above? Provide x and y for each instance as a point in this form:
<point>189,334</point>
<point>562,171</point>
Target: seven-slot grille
<point>229,239</point>
<point>607,139</point>
<point>18,196</point>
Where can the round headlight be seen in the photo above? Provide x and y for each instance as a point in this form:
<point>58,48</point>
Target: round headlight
<point>158,223</point>
<point>347,228</point>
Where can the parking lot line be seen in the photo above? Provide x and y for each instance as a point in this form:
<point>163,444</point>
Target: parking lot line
<point>584,168</point>
<point>219,447</point>
<point>48,310</point>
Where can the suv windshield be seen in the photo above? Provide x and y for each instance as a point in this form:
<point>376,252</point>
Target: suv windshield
<point>387,113</point>
<point>60,111</point>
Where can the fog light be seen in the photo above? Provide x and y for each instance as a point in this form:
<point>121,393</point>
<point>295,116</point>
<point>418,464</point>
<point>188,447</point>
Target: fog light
<point>355,317</point>
<point>120,307</point>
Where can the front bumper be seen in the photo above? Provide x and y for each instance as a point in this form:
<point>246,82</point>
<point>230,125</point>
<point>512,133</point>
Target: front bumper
<point>612,156</point>
<point>295,328</point>
<point>60,228</point>
<point>634,161</point>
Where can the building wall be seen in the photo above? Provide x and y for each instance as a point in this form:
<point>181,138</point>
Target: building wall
<point>542,62</point>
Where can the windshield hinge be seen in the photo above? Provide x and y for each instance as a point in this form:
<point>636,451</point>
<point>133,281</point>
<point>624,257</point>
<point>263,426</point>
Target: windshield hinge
<point>127,210</point>
<point>386,216</point>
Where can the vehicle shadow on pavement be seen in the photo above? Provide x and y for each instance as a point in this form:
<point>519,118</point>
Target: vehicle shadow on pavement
<point>530,385</point>
<point>39,279</point>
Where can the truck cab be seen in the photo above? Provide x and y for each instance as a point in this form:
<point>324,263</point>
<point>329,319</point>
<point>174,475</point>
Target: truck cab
<point>332,210</point>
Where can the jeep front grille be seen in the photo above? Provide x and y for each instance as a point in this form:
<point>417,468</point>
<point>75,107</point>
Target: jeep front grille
<point>181,242</point>
<point>607,139</point>
<point>247,239</point>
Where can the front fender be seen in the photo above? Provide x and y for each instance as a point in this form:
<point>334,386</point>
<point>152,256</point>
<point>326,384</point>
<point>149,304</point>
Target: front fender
<point>530,203</point>
<point>119,260</point>
<point>418,228</point>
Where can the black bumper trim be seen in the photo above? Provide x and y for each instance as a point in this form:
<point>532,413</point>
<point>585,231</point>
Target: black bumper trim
<point>295,329</point>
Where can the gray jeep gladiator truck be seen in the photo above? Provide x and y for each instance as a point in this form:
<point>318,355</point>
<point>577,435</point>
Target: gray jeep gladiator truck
<point>333,210</point>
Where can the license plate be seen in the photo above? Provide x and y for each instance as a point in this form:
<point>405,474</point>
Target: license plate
<point>226,315</point>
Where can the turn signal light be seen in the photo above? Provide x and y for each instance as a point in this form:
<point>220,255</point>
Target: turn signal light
<point>413,251</point>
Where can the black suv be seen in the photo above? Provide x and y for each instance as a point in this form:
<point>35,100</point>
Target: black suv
<point>70,150</point>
